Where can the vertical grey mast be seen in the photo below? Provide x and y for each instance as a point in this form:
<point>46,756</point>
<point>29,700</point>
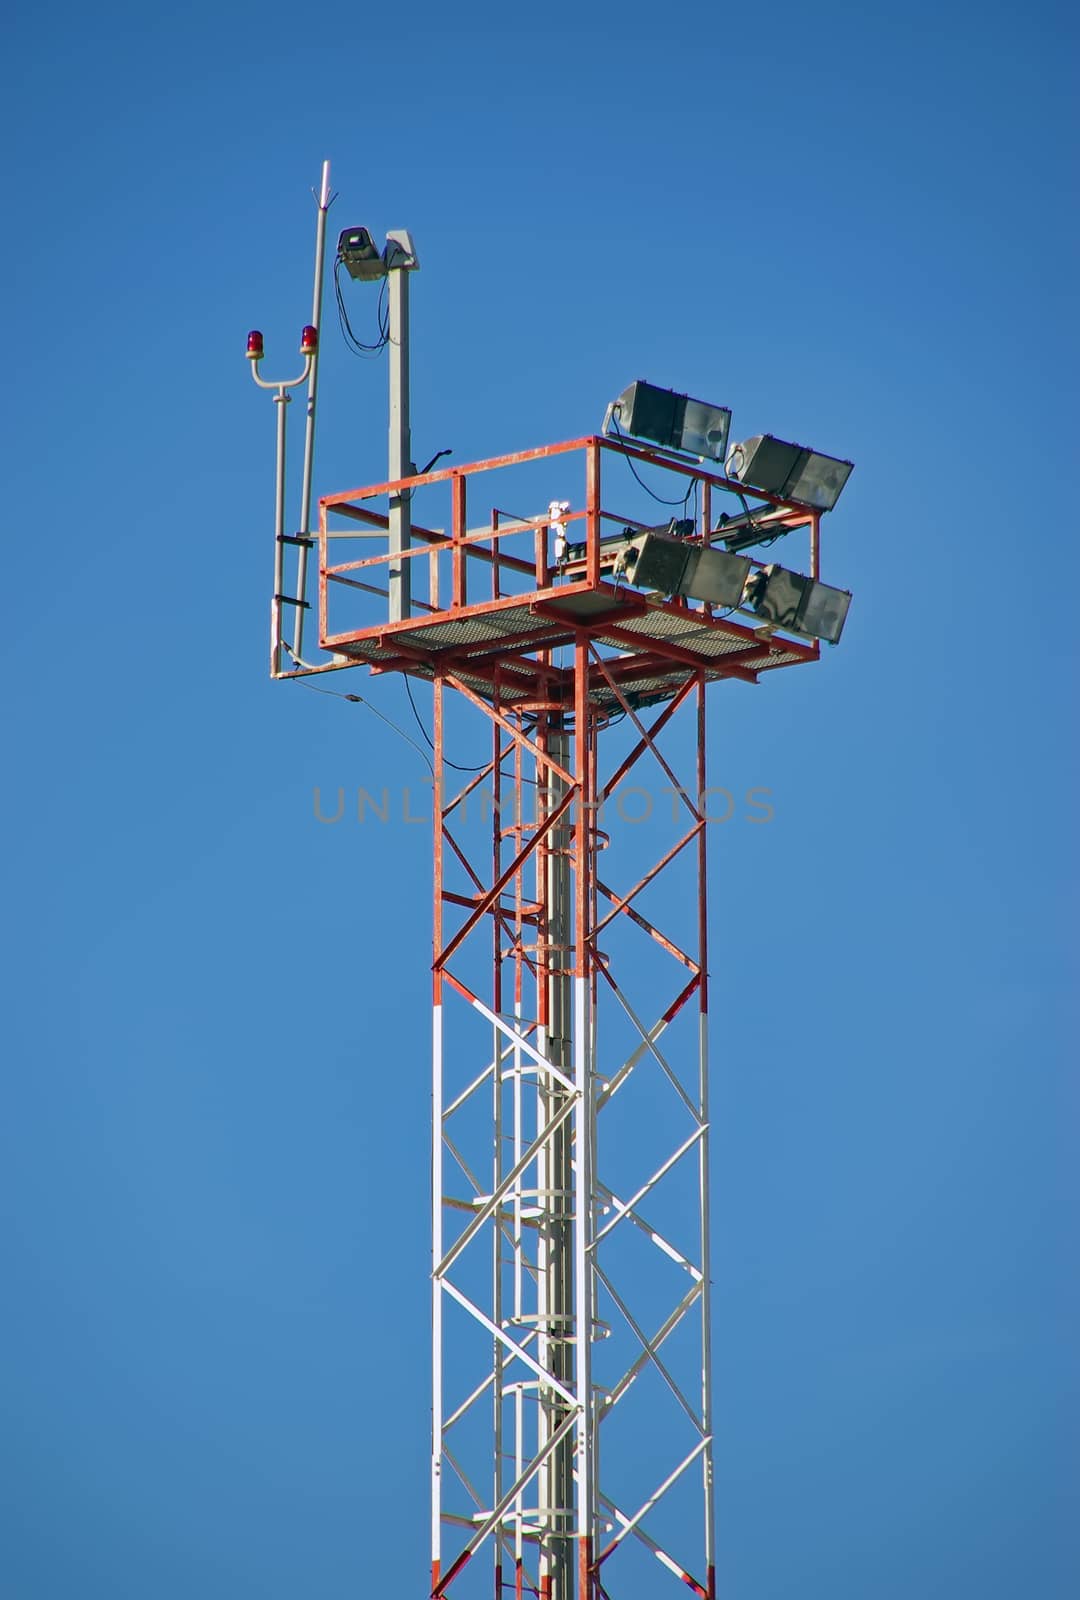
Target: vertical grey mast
<point>556,1200</point>
<point>400,261</point>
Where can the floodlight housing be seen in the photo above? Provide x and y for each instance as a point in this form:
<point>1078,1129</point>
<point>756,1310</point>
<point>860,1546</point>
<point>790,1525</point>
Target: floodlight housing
<point>716,576</point>
<point>674,421</point>
<point>672,566</point>
<point>799,604</point>
<point>654,561</point>
<point>363,261</point>
<point>789,471</point>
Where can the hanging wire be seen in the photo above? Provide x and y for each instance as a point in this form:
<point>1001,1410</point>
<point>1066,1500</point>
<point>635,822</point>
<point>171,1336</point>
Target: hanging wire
<point>419,723</point>
<point>765,540</point>
<point>658,497</point>
<point>355,344</point>
<point>358,700</point>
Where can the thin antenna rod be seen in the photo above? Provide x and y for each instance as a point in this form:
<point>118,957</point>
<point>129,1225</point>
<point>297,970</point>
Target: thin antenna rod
<point>309,432</point>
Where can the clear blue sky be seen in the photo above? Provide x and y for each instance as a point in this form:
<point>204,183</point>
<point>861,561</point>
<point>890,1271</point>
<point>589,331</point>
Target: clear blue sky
<point>855,225</point>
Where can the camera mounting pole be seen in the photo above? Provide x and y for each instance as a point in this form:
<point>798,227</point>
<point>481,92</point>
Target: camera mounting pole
<point>400,260</point>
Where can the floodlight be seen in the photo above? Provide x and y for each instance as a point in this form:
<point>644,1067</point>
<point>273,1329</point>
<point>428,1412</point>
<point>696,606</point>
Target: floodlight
<point>824,612</point>
<point>357,250</point>
<point>799,604</point>
<point>672,420</point>
<point>715,575</point>
<point>789,471</point>
<point>653,561</point>
<point>672,566</point>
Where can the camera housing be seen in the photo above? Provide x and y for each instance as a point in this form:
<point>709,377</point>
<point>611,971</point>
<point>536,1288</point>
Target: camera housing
<point>362,259</point>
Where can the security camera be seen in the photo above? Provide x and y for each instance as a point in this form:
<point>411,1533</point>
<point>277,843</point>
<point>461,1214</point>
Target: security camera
<point>357,250</point>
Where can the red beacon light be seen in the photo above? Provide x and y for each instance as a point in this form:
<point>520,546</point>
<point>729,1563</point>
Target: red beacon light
<point>309,341</point>
<point>255,345</point>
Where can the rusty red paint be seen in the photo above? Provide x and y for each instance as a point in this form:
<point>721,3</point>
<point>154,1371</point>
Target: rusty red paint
<point>442,1584</point>
<point>490,902</point>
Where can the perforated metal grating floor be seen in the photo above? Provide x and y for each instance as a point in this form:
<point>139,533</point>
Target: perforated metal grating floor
<point>651,646</point>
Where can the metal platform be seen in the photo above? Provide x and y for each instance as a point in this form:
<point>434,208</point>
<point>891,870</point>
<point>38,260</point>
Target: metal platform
<point>654,647</point>
<point>505,647</point>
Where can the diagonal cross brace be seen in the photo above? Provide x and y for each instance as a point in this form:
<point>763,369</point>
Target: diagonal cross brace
<point>513,1034</point>
<point>492,1203</point>
<point>658,1551</point>
<point>510,1344</point>
<point>650,1351</point>
<point>643,1510</point>
<point>632,1371</point>
<point>649,1040</point>
<point>626,1205</point>
<point>503,879</point>
<point>514,1490</point>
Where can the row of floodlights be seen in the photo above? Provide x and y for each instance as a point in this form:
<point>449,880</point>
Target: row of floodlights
<point>790,472</point>
<point>663,561</point>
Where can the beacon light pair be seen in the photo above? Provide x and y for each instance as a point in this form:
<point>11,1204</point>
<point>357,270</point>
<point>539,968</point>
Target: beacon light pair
<point>309,345</point>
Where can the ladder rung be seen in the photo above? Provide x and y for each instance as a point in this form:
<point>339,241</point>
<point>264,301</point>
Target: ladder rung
<point>287,600</point>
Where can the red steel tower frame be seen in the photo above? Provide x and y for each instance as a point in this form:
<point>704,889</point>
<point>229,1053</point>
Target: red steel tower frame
<point>551,1337</point>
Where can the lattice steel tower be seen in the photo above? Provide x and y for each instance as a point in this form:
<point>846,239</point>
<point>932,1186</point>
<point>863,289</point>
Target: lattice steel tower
<point>573,1418</point>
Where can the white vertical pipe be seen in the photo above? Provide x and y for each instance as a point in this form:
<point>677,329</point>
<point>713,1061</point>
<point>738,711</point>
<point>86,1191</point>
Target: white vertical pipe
<point>281,400</point>
<point>706,1306</point>
<point>557,1277</point>
<point>519,1467</point>
<point>582,1238</point>
<point>543,1343</point>
<point>543,1185</point>
<point>436,1286</point>
<point>312,394</point>
<point>496,1285</point>
<point>518,1149</point>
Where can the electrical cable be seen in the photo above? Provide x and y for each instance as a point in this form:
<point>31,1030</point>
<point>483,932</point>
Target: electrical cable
<point>456,765</point>
<point>658,497</point>
<point>356,345</point>
<point>764,541</point>
<point>358,699</point>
